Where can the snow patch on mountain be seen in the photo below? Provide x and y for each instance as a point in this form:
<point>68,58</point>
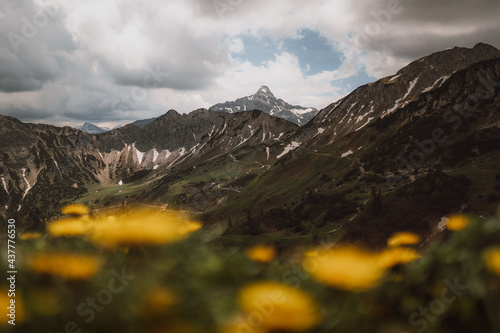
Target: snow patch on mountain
<point>394,78</point>
<point>289,148</point>
<point>398,103</point>
<point>57,165</point>
<point>140,155</point>
<point>5,185</point>
<point>155,155</point>
<point>441,80</point>
<point>167,153</point>
<point>28,186</point>
<point>245,140</point>
<point>367,122</point>
<point>347,153</point>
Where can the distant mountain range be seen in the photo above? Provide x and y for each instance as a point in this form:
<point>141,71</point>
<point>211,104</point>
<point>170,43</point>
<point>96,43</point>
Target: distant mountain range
<point>39,159</point>
<point>265,101</point>
<point>395,154</point>
<point>262,100</point>
<point>92,129</point>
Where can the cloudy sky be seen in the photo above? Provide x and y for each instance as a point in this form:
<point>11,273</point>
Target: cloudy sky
<point>111,62</point>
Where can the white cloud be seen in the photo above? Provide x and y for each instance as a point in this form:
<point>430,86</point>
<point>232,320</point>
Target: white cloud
<point>123,59</point>
<point>236,46</point>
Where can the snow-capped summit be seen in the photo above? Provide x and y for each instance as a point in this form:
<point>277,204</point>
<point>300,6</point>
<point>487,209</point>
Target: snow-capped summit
<point>264,100</point>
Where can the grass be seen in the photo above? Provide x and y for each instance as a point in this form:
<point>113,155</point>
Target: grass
<point>483,183</point>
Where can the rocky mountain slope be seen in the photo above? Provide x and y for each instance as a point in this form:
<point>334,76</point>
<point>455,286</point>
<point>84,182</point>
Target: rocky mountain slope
<point>41,159</point>
<point>396,154</point>
<point>265,101</point>
<point>386,96</point>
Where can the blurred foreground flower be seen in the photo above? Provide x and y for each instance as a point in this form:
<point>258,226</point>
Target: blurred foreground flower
<point>457,222</point>
<point>397,256</point>
<point>347,268</point>
<point>261,253</point>
<point>279,306</point>
<point>492,259</point>
<point>30,235</point>
<point>68,266</point>
<point>141,227</point>
<point>75,209</point>
<point>403,238</point>
<point>69,227</point>
<point>122,229</point>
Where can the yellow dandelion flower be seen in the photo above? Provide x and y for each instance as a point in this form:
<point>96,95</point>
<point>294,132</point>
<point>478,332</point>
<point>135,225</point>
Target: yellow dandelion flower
<point>280,307</point>
<point>312,253</point>
<point>457,222</point>
<point>68,266</point>
<point>11,308</point>
<point>30,235</point>
<point>492,260</point>
<point>261,253</point>
<point>68,227</point>
<point>396,256</point>
<point>347,268</point>
<point>141,227</point>
<point>403,238</point>
<point>239,324</point>
<point>75,209</point>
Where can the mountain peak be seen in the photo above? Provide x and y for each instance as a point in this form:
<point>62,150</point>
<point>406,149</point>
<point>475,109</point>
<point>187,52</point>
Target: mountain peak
<point>265,101</point>
<point>264,90</point>
<point>486,49</point>
<point>92,129</point>
<point>454,58</point>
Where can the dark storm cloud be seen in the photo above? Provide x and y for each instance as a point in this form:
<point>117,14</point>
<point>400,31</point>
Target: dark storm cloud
<point>33,43</point>
<point>26,113</point>
<point>411,29</point>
